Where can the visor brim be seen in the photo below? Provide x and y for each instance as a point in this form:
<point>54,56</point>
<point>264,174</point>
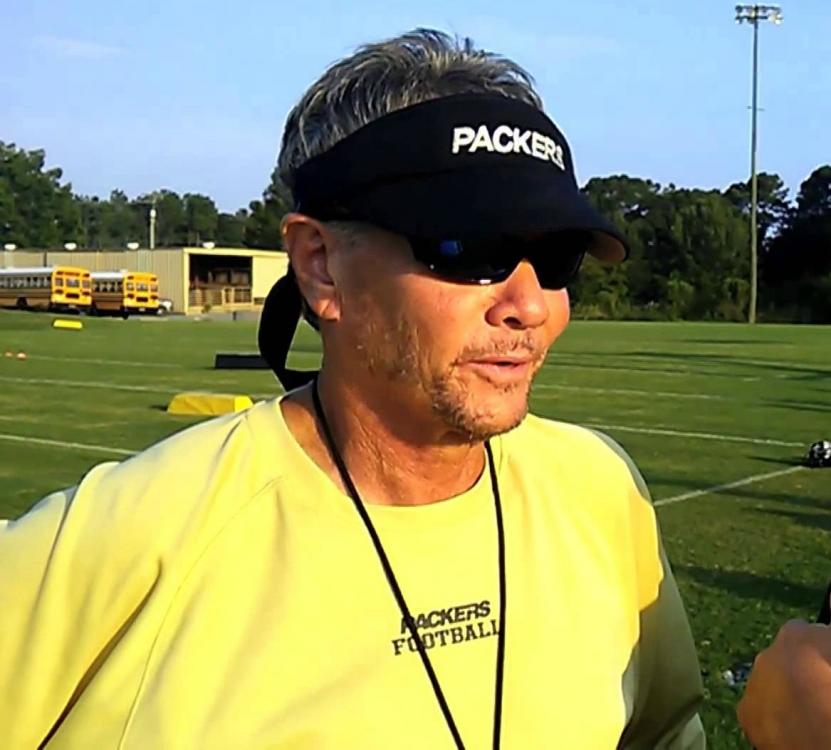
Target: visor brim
<point>486,203</point>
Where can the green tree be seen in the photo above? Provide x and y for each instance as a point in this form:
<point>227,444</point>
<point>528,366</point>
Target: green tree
<point>797,270</point>
<point>171,219</point>
<point>626,201</point>
<point>814,199</point>
<point>773,206</point>
<point>262,227</point>
<point>710,244</point>
<point>201,218</point>
<point>122,221</point>
<point>684,245</point>
<point>92,221</point>
<point>11,230</point>
<point>231,228</point>
<point>37,210</point>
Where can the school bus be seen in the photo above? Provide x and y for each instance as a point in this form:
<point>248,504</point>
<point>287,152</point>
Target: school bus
<point>45,288</point>
<point>124,292</point>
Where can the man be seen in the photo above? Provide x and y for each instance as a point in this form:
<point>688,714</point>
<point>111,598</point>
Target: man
<point>395,554</point>
<point>787,703</point>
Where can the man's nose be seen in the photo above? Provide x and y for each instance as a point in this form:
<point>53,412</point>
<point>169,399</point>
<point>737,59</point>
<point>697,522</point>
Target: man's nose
<point>520,301</point>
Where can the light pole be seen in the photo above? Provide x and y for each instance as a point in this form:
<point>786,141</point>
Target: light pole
<point>153,223</point>
<point>151,217</point>
<point>753,14</point>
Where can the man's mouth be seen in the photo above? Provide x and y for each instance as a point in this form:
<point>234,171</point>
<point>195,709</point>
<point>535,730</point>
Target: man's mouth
<point>502,369</point>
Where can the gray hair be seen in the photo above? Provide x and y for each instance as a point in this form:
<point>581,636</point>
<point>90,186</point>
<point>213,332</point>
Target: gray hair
<point>387,76</point>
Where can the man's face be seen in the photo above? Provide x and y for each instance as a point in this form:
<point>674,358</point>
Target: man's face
<point>463,354</point>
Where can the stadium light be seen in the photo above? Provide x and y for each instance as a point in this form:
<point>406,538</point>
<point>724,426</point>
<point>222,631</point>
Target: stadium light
<point>752,14</point>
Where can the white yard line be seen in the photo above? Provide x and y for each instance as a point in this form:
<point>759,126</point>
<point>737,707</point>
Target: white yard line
<point>119,362</point>
<point>88,384</point>
<point>556,364</point>
<point>66,444</point>
<point>710,358</point>
<point>729,486</point>
<point>126,387</point>
<point>626,392</point>
<point>694,435</point>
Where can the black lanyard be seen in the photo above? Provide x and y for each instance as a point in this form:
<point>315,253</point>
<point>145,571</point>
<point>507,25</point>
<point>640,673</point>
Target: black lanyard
<point>399,597</point>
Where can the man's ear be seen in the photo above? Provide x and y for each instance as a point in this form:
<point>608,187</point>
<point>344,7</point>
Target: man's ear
<point>309,247</point>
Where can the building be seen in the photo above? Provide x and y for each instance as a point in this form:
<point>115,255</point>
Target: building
<point>194,279</point>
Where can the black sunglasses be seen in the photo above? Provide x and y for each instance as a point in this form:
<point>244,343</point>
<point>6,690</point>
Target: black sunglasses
<point>556,257</point>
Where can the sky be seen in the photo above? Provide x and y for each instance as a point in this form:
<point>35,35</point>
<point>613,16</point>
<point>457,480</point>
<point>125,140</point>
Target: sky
<point>192,96</point>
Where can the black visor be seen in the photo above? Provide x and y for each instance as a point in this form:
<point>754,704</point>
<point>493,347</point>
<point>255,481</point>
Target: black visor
<point>470,169</point>
<point>471,165</point>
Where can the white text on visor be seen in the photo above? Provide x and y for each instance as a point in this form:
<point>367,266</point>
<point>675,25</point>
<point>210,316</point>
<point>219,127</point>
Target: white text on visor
<point>507,140</point>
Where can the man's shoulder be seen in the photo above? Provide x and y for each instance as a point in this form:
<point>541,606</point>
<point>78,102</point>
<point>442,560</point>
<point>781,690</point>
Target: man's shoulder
<point>200,449</point>
<point>581,450</point>
<point>540,435</point>
<point>203,471</point>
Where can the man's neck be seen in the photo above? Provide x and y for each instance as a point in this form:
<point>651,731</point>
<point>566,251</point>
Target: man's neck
<point>391,459</point>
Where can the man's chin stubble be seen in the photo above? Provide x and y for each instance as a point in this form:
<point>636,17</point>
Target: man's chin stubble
<point>452,407</point>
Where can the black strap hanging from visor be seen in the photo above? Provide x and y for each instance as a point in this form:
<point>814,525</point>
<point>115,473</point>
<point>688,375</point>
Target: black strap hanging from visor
<point>278,323</point>
<point>825,611</point>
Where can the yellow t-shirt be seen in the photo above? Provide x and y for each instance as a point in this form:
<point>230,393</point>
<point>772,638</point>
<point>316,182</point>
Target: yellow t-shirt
<point>218,591</point>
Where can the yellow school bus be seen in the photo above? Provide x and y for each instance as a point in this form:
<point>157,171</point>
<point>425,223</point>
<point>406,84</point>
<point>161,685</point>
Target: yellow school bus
<point>45,288</point>
<point>124,292</point>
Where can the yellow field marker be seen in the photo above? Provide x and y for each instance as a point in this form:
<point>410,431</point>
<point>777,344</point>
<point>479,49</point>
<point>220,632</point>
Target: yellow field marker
<point>195,403</point>
<point>70,325</point>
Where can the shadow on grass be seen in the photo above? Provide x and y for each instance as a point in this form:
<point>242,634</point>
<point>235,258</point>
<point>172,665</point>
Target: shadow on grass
<point>797,501</point>
<point>791,460</point>
<point>732,342</point>
<point>800,406</point>
<point>806,373</point>
<point>820,521</point>
<point>746,585</point>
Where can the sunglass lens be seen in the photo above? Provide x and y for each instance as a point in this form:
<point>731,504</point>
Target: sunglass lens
<point>485,262</point>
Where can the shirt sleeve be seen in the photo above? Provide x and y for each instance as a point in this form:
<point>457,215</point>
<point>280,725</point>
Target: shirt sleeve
<point>662,683</point>
<point>665,678</point>
<point>70,584</point>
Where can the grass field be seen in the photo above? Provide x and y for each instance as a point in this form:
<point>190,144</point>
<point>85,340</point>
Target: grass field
<point>698,406</point>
